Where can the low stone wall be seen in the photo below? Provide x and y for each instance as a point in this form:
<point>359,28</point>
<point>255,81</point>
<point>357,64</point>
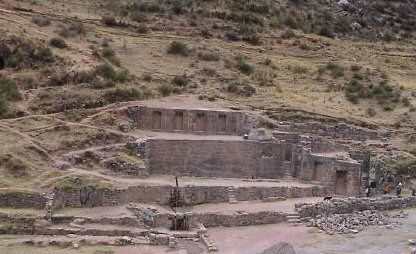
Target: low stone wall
<point>217,219</point>
<point>16,199</point>
<point>191,195</point>
<point>350,205</point>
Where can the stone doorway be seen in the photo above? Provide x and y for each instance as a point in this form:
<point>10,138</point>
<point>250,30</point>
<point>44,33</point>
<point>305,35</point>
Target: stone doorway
<point>222,123</point>
<point>2,64</point>
<point>341,183</point>
<point>178,121</point>
<point>317,173</point>
<point>200,122</point>
<point>157,120</point>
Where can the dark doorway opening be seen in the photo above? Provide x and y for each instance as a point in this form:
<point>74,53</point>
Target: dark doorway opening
<point>157,120</point>
<point>2,63</point>
<point>341,183</point>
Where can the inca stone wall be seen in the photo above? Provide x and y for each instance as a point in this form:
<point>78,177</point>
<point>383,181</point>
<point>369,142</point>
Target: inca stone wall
<point>341,130</point>
<point>192,195</point>
<point>17,199</point>
<point>217,158</point>
<point>343,177</point>
<point>196,121</point>
<point>352,204</point>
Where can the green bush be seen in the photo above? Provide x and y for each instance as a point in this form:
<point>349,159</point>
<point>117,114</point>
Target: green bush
<point>335,69</point>
<point>243,66</point>
<point>142,29</point>
<point>248,90</point>
<point>288,33</point>
<point>9,90</point>
<point>110,55</point>
<point>371,112</point>
<point>355,67</point>
<point>165,89</point>
<point>206,34</point>
<point>208,56</point>
<point>4,108</point>
<point>41,21</point>
<point>232,87</point>
<point>178,48</point>
<point>58,43</point>
<point>180,80</point>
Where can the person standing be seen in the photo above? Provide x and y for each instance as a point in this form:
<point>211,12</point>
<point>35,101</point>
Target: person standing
<point>368,191</point>
<point>399,189</point>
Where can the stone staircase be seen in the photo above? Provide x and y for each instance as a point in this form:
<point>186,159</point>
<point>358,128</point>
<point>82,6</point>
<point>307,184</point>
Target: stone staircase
<point>287,171</point>
<point>294,218</point>
<point>231,196</point>
<point>50,198</point>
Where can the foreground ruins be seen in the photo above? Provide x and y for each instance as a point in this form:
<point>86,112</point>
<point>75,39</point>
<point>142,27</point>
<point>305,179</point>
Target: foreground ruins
<point>204,168</point>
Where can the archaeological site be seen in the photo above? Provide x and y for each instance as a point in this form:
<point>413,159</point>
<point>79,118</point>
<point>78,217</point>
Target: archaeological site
<point>192,126</point>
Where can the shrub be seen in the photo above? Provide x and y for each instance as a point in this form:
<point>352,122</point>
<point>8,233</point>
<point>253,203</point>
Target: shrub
<point>139,17</point>
<point>206,34</point>
<point>109,21</point>
<point>243,66</point>
<point>178,48</point>
<point>58,43</point>
<point>180,80</point>
<point>232,87</point>
<point>41,21</point>
<point>231,36</point>
<point>208,56</point>
<point>4,108</point>
<point>335,69</point>
<point>288,33</point>
<point>165,89</point>
<point>142,29</point>
<point>304,46</point>
<point>147,77</point>
<point>122,94</point>
<point>9,90</point>
<point>406,101</point>
<point>355,67</point>
<point>371,112</point>
<point>110,55</point>
<point>248,90</point>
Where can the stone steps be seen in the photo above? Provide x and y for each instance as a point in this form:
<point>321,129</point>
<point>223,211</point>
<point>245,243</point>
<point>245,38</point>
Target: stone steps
<point>294,219</point>
<point>231,197</point>
<point>287,171</point>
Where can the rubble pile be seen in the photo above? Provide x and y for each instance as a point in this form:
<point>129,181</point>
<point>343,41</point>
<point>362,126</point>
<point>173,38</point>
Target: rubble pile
<point>355,222</point>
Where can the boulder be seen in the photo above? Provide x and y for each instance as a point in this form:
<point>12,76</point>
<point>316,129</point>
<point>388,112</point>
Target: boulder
<point>280,248</point>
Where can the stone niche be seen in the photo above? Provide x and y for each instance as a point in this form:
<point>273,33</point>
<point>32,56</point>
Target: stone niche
<point>196,121</point>
<point>233,158</point>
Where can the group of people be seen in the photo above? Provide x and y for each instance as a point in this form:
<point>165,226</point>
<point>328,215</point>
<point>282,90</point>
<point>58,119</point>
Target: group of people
<point>370,190</point>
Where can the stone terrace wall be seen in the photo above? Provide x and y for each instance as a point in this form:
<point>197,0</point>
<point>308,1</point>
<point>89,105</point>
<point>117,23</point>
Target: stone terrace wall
<point>217,219</point>
<point>349,205</point>
<point>17,199</point>
<point>191,195</point>
<point>217,158</point>
<point>196,121</point>
<point>342,130</point>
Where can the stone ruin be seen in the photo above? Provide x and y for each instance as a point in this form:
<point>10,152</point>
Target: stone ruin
<point>227,158</point>
<point>211,145</point>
